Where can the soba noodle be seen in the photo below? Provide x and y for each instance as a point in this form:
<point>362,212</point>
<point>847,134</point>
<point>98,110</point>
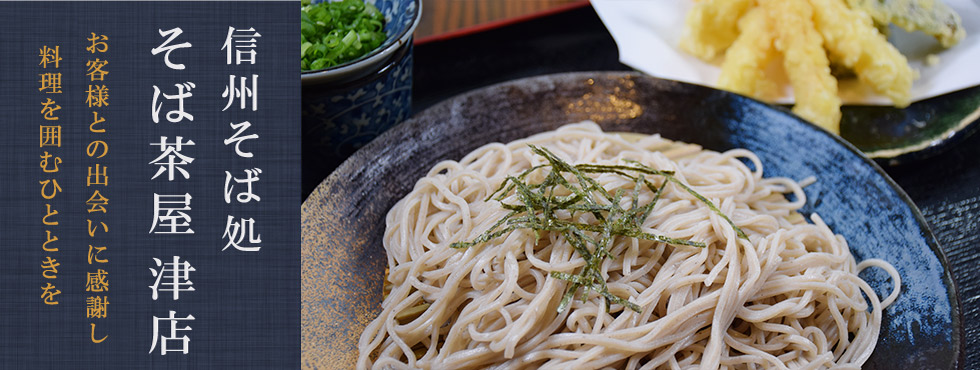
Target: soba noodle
<point>787,297</point>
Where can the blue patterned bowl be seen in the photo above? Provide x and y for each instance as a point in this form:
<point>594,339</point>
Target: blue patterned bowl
<point>347,106</point>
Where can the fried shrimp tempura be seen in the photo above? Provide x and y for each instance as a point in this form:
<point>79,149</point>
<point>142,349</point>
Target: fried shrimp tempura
<point>712,25</point>
<point>853,41</point>
<point>805,62</point>
<point>743,70</point>
<point>807,36</point>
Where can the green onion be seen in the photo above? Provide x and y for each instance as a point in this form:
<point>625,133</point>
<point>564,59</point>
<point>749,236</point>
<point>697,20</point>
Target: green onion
<point>336,32</point>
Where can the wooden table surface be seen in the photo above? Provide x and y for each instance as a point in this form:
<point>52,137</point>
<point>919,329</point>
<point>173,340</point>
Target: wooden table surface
<point>444,16</point>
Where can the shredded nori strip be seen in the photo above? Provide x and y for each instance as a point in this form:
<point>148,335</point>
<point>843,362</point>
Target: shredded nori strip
<point>538,204</point>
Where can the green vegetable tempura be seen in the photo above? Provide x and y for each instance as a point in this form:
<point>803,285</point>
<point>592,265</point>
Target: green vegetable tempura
<point>334,33</point>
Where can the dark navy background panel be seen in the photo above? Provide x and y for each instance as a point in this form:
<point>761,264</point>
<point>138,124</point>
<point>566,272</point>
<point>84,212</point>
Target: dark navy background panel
<point>246,304</point>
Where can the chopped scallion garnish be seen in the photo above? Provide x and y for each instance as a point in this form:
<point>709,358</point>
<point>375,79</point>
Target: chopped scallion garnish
<point>336,32</point>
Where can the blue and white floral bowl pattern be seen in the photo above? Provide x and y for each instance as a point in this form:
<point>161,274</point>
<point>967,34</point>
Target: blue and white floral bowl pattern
<point>401,14</point>
<point>338,122</point>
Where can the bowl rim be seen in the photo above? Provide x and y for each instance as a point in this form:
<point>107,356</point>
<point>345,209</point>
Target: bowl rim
<point>373,75</point>
<point>368,61</point>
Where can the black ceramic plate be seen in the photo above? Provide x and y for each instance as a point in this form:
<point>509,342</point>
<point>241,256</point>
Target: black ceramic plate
<point>343,220</point>
<point>921,130</point>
